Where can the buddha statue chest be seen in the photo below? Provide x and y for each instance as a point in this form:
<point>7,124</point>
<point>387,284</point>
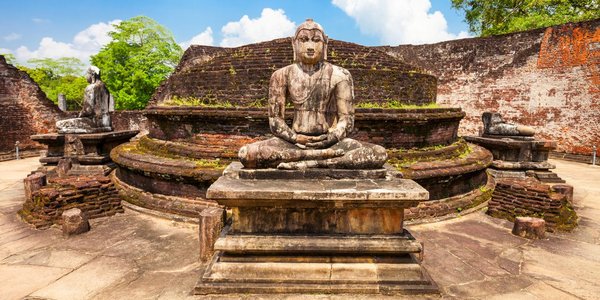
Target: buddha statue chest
<point>312,96</point>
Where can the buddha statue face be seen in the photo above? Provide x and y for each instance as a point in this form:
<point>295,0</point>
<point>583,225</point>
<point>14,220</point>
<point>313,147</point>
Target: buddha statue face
<point>310,43</point>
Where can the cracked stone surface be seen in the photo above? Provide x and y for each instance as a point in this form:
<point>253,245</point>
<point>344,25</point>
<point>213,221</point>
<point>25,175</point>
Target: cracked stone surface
<point>134,256</point>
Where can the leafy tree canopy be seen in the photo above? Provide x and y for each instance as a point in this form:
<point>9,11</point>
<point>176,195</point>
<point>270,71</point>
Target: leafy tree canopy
<point>490,17</point>
<point>142,53</point>
<point>59,76</point>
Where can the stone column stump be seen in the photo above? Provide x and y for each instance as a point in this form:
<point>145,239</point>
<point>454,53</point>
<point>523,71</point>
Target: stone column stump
<point>33,183</point>
<point>210,226</point>
<point>531,228</point>
<point>75,222</point>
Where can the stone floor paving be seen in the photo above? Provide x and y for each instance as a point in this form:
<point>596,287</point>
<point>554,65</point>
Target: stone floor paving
<point>135,256</point>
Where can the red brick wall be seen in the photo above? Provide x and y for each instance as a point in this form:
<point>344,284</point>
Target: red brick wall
<point>24,109</point>
<point>547,78</point>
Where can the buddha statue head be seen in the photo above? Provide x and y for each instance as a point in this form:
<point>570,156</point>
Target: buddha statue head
<point>93,74</point>
<point>310,43</point>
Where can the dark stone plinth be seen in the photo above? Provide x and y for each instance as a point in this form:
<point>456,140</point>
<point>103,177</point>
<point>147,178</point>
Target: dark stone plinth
<point>81,154</point>
<point>315,236</point>
<point>531,228</point>
<point>75,222</point>
<point>515,149</point>
<point>88,149</point>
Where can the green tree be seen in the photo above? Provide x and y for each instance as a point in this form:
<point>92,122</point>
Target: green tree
<point>490,17</point>
<point>59,76</point>
<point>142,53</point>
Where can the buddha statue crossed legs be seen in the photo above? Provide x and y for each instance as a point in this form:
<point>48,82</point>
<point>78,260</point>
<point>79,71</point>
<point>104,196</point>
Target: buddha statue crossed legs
<point>322,95</point>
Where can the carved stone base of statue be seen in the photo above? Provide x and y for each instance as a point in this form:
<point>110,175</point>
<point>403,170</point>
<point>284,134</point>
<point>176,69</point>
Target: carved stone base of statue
<point>86,153</point>
<point>80,125</point>
<point>307,235</point>
<point>518,156</point>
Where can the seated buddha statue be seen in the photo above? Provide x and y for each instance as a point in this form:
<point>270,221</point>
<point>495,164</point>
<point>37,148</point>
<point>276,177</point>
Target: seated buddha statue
<point>94,115</point>
<point>323,115</point>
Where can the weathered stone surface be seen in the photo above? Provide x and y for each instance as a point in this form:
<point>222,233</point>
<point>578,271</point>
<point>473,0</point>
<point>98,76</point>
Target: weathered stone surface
<point>315,244</point>
<point>515,150</point>
<point>326,219</point>
<point>74,222</point>
<point>528,227</point>
<point>309,278</point>
<point>316,193</point>
<point>210,225</point>
<point>33,183</point>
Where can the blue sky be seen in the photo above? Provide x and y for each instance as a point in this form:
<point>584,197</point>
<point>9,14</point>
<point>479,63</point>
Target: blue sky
<point>44,28</point>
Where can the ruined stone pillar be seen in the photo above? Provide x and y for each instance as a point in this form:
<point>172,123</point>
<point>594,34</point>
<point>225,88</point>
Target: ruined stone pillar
<point>211,223</point>
<point>62,102</point>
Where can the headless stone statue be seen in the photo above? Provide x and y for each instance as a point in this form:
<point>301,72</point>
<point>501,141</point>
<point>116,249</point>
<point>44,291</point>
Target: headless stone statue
<point>322,95</point>
<point>94,116</point>
<point>493,124</point>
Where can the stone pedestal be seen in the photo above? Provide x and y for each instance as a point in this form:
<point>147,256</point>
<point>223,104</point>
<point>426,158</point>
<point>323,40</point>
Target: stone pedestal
<point>308,235</point>
<point>89,154</point>
<point>519,156</point>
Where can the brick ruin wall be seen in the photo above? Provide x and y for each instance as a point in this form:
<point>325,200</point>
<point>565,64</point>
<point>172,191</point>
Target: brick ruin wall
<point>547,78</point>
<point>530,198</point>
<point>24,110</point>
<point>96,196</point>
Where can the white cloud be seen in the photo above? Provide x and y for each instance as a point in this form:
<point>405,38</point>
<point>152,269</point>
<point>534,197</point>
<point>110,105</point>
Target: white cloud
<point>40,20</point>
<point>399,22</point>
<point>203,38</point>
<point>12,37</point>
<point>5,51</point>
<point>85,43</point>
<point>270,25</point>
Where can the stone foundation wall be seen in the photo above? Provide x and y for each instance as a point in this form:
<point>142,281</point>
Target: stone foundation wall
<point>24,110</point>
<point>129,120</point>
<point>515,197</point>
<point>96,196</point>
<point>546,78</point>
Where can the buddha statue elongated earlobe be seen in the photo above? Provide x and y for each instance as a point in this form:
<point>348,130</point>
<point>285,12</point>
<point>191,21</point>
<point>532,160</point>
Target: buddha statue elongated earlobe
<point>294,48</point>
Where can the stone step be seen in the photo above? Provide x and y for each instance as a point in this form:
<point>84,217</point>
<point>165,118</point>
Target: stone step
<point>324,278</point>
<point>318,244</point>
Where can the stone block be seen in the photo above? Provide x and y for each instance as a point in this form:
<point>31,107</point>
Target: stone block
<point>75,222</point>
<point>210,225</point>
<point>33,183</point>
<point>528,227</point>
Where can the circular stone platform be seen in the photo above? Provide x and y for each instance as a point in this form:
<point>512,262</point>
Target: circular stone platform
<point>214,103</point>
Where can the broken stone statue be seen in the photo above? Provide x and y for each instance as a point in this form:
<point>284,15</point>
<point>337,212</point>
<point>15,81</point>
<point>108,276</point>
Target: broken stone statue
<point>94,116</point>
<point>322,96</point>
<point>493,124</point>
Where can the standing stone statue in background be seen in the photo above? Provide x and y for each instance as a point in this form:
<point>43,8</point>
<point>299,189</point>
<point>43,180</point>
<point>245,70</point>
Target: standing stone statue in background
<point>94,116</point>
<point>493,124</point>
<point>322,96</point>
